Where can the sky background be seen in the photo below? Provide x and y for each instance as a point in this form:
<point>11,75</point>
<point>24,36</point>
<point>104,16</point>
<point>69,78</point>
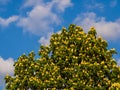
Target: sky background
<point>26,24</point>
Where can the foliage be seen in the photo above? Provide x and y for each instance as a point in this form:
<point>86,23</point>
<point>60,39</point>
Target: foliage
<point>74,60</point>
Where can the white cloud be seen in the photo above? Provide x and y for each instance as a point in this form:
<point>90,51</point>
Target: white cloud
<point>43,17</point>
<point>118,62</point>
<point>45,40</point>
<point>29,3</point>
<point>107,29</point>
<point>39,21</point>
<point>61,4</point>
<point>6,22</point>
<point>6,67</point>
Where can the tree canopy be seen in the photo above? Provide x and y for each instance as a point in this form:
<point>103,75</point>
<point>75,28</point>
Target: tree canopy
<point>74,60</point>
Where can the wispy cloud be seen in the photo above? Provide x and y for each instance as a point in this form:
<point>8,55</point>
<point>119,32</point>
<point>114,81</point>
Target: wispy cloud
<point>6,67</point>
<point>29,3</point>
<point>6,22</point>
<point>4,1</point>
<point>93,5</point>
<point>108,29</point>
<point>113,3</point>
<point>61,5</point>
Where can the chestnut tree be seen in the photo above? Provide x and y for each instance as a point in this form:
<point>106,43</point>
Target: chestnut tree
<point>74,60</point>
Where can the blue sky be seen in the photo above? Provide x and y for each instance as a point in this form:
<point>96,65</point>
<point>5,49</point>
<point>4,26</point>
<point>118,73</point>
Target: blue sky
<point>26,24</point>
